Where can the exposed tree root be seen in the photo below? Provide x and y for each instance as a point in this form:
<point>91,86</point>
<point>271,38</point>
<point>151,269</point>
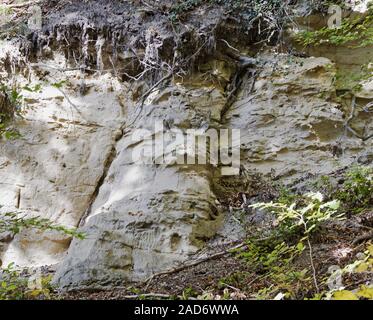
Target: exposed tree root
<point>351,117</point>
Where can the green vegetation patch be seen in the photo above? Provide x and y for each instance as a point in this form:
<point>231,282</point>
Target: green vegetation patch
<point>354,33</point>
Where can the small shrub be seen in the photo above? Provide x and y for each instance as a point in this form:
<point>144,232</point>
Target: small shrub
<point>274,264</point>
<point>305,215</point>
<point>355,33</point>
<point>15,286</point>
<point>356,192</point>
<point>12,286</point>
<point>267,258</point>
<point>14,223</point>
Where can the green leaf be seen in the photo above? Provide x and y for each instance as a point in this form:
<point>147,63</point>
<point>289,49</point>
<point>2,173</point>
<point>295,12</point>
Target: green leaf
<point>300,246</point>
<point>370,249</point>
<point>345,295</point>
<point>334,205</point>
<point>59,85</point>
<point>316,196</point>
<point>365,292</point>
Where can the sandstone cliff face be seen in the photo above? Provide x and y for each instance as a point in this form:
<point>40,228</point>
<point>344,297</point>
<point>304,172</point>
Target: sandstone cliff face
<point>73,162</point>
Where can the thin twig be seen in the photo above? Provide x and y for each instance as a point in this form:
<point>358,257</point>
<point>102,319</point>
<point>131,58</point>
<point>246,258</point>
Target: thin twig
<point>230,287</point>
<point>146,94</point>
<point>229,46</point>
<point>313,266</point>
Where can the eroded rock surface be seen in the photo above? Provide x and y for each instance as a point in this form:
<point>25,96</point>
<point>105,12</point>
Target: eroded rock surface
<point>291,123</point>
<point>73,162</point>
<point>147,218</point>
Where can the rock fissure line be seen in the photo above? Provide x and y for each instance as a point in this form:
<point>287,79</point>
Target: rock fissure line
<point>108,162</point>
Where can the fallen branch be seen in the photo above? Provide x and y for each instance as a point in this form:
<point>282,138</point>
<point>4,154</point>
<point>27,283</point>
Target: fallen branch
<point>364,237</point>
<point>133,297</point>
<point>367,137</point>
<point>196,263</point>
<point>152,295</point>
